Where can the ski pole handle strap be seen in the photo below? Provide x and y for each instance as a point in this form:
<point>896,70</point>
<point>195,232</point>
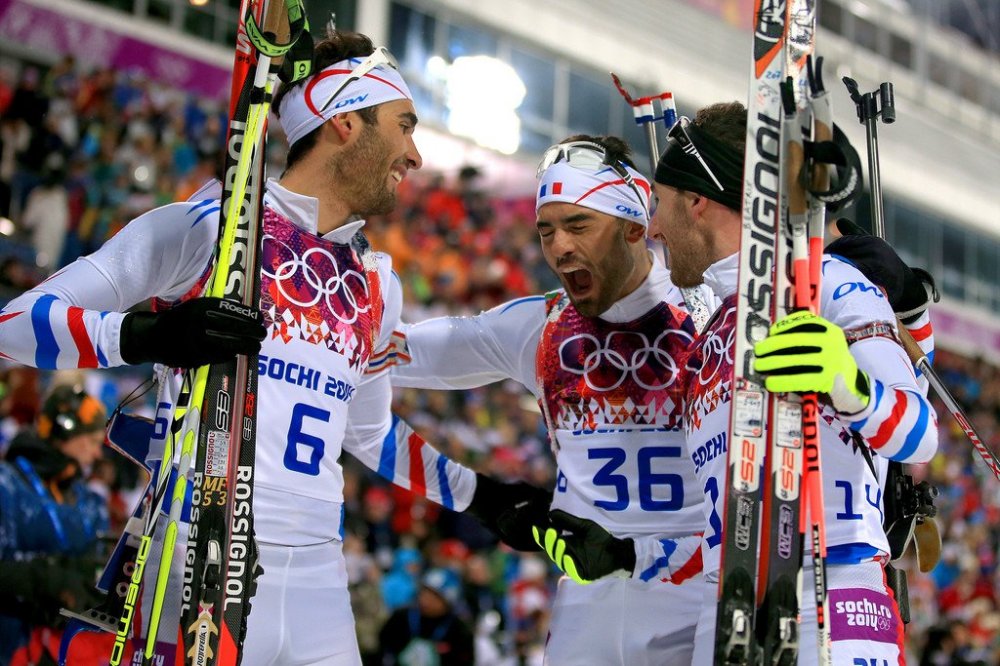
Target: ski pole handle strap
<point>298,62</point>
<point>846,182</point>
<point>265,42</point>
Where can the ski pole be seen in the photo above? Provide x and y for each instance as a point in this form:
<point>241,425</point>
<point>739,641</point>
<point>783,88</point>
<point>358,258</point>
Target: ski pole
<point>644,111</point>
<point>807,250</point>
<point>869,108</point>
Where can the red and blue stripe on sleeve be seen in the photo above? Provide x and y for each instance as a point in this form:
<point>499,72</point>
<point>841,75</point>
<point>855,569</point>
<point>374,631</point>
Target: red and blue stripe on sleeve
<point>410,462</point>
<point>900,424</point>
<point>50,334</point>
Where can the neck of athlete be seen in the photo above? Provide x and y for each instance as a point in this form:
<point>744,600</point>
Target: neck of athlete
<point>312,180</point>
<point>723,227</point>
<point>643,263</point>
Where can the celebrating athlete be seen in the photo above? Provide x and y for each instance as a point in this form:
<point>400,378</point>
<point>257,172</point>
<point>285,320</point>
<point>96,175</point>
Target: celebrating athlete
<point>873,411</point>
<point>328,305</point>
<point>602,355</point>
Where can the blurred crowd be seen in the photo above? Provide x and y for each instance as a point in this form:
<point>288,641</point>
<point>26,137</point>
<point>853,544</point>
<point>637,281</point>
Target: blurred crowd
<point>82,153</point>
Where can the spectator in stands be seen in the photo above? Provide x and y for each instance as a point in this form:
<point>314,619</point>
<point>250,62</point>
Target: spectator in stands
<point>49,520</point>
<point>46,213</point>
<point>429,632</point>
<point>399,586</point>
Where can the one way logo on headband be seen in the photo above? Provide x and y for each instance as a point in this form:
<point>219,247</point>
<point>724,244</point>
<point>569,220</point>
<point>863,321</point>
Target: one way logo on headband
<point>622,208</point>
<point>350,100</point>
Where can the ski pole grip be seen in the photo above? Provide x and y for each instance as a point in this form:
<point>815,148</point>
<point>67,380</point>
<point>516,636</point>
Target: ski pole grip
<point>913,350</point>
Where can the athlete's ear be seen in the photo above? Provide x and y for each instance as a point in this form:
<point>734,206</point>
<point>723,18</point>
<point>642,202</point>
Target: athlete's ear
<point>634,232</point>
<point>342,125</point>
<point>698,204</point>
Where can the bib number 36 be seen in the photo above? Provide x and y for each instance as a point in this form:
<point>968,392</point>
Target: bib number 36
<point>667,488</point>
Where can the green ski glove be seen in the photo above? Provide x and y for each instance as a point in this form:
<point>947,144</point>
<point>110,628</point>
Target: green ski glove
<point>804,352</point>
<point>582,549</point>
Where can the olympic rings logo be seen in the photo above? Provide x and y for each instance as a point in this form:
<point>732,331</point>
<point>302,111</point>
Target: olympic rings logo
<point>316,275</point>
<point>715,351</point>
<point>624,355</point>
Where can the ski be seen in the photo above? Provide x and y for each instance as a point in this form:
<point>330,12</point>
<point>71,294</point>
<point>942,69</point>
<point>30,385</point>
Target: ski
<point>220,556</point>
<point>248,112</point>
<point>735,637</point>
<point>794,432</point>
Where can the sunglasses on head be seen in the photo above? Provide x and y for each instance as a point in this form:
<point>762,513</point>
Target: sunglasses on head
<point>380,57</point>
<point>679,133</point>
<point>590,156</point>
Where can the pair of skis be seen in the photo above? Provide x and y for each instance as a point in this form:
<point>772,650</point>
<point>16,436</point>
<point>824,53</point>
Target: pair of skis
<point>774,483</point>
<point>217,404</point>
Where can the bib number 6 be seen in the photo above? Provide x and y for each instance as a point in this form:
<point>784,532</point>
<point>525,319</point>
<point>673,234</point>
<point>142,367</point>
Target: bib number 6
<point>304,451</point>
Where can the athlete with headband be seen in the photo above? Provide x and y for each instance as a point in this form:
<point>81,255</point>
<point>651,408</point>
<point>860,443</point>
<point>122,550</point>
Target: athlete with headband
<point>329,308</point>
<point>872,408</point>
<point>602,356</point>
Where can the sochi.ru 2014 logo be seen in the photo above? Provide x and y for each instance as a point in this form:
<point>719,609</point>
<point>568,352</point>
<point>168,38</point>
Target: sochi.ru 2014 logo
<point>865,613</point>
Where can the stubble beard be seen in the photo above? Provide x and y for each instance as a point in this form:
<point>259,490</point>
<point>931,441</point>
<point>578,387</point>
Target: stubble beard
<point>686,269</point>
<point>361,171</point>
<point>615,269</point>
<point>690,258</point>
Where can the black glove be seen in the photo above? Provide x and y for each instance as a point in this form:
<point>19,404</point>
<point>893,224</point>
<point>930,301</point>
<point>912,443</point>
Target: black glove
<point>195,333</point>
<point>910,290</point>
<point>584,550</point>
<point>510,510</point>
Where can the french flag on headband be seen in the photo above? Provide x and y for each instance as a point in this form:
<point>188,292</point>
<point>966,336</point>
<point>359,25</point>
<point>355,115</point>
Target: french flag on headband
<point>544,191</point>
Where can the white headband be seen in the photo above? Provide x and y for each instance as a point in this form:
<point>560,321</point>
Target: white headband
<point>604,191</point>
<point>300,108</point>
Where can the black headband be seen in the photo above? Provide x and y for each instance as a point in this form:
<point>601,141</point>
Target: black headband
<point>678,169</point>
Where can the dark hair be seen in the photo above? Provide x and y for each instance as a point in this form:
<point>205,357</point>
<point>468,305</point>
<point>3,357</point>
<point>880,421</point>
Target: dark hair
<point>725,121</point>
<point>336,46</point>
<point>615,147</point>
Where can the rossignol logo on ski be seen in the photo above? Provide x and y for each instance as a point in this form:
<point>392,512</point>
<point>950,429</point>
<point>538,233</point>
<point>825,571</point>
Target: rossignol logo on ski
<point>239,538</point>
<point>239,253</point>
<point>189,557</point>
<point>764,210</point>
